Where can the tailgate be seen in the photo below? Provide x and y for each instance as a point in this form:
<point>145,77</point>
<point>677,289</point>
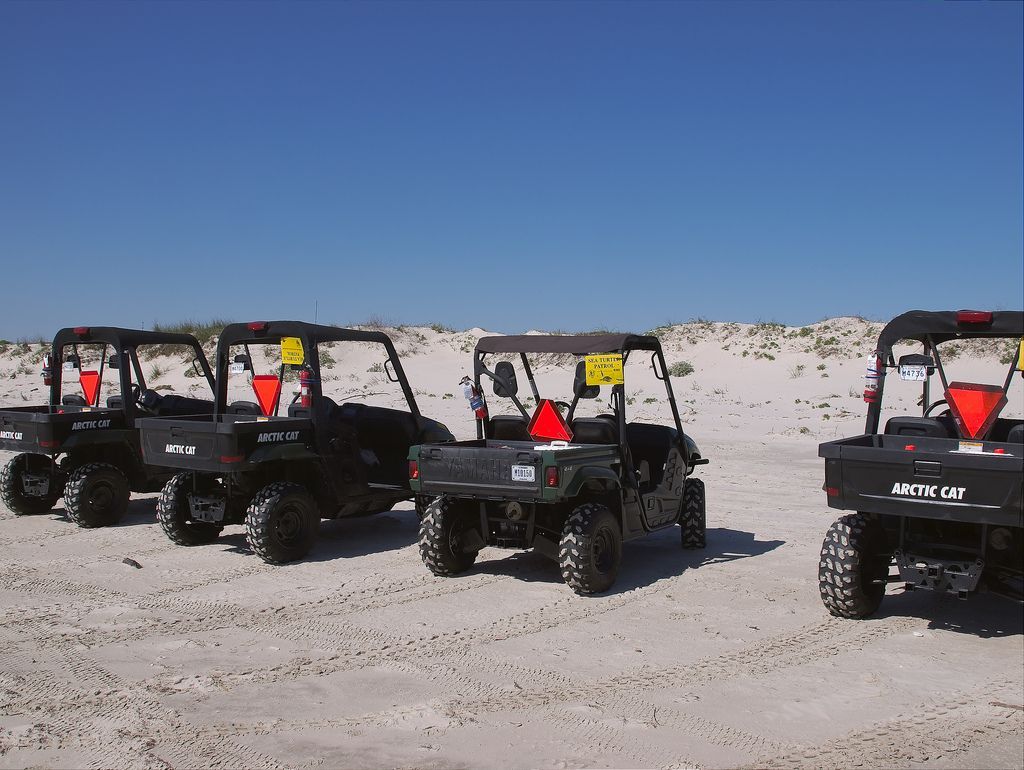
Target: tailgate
<point>222,442</point>
<point>475,468</point>
<point>927,478</point>
<point>38,429</point>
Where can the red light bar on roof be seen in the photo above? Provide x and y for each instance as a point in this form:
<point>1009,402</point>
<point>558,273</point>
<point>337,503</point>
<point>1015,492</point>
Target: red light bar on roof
<point>81,331</point>
<point>974,316</point>
<point>258,326</point>
<point>974,407</point>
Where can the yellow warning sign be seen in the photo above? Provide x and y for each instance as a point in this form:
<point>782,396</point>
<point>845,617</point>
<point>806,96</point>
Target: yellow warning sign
<point>604,369</point>
<point>291,351</point>
<point>1020,357</point>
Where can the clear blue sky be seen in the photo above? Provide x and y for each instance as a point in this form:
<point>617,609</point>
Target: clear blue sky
<point>508,165</point>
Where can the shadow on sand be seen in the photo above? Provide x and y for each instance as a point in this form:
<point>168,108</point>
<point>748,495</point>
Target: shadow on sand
<point>644,561</point>
<point>350,538</point>
<point>985,615</point>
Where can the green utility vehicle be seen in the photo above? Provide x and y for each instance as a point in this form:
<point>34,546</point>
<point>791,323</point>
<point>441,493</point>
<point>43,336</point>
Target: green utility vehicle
<point>573,488</point>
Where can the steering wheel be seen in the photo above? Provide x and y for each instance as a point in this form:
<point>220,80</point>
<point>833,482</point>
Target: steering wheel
<point>931,406</point>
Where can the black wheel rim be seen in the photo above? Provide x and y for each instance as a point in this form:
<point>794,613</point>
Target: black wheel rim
<point>602,550</point>
<point>101,496</point>
<point>288,526</point>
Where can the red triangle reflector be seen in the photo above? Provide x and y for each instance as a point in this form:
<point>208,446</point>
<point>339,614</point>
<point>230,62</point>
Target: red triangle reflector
<point>267,388</point>
<point>974,407</point>
<point>548,423</point>
<point>90,382</point>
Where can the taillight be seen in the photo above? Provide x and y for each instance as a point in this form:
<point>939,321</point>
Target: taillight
<point>910,447</point>
<point>258,326</point>
<point>414,469</point>
<point>232,458</point>
<point>551,476</point>
<point>974,316</point>
<point>832,491</point>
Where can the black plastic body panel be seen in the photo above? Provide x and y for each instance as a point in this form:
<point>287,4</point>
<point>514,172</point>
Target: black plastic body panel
<point>927,478</point>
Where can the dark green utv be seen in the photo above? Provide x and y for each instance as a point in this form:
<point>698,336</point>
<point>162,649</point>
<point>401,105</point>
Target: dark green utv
<point>573,488</point>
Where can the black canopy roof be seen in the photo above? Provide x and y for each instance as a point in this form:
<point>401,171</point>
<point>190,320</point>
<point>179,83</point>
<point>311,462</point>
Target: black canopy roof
<point>121,338</point>
<point>576,344</point>
<point>943,325</point>
<point>313,333</point>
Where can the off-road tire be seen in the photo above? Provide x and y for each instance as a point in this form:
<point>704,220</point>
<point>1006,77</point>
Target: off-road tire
<point>281,522</point>
<point>12,491</point>
<point>692,515</point>
<point>422,504</point>
<point>439,539</point>
<point>96,495</point>
<point>853,557</point>
<point>175,517</point>
<point>590,551</point>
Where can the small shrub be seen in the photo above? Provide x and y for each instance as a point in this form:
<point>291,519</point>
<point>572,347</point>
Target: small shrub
<point>447,396</point>
<point>796,371</point>
<point>680,369</point>
<point>805,430</point>
<point>821,367</point>
<point>326,359</point>
<point>156,372</point>
<point>375,368</point>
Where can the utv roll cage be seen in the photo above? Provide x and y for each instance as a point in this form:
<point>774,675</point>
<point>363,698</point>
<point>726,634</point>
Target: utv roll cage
<point>271,332</point>
<point>580,345</point>
<point>931,328</point>
<point>124,342</point>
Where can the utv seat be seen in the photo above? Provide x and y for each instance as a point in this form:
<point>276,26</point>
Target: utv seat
<point>509,427</point>
<point>931,427</point>
<point>244,407</point>
<point>115,402</point>
<point>1004,428</point>
<point>173,405</point>
<point>594,430</point>
<point>73,399</point>
<point>650,444</point>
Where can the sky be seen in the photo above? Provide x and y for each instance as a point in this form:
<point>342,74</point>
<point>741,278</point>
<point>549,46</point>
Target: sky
<point>518,165</point>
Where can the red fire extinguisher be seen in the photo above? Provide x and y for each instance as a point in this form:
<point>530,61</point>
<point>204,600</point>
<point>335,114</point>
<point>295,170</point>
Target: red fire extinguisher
<point>47,370</point>
<point>306,386</point>
<point>475,398</point>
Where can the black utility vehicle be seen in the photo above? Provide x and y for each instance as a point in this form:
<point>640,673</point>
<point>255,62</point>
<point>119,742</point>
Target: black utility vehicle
<point>939,494</point>
<point>279,474</point>
<point>570,487</point>
<point>89,453</point>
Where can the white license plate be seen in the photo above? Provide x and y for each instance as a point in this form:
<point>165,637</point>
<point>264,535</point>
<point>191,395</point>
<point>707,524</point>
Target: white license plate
<point>524,473</point>
<point>237,368</point>
<point>914,373</point>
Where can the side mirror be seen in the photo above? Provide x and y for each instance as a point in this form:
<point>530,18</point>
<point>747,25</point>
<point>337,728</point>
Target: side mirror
<point>580,388</point>
<point>389,370</point>
<point>196,368</point>
<point>114,362</point>
<point>505,385</point>
<point>242,363</point>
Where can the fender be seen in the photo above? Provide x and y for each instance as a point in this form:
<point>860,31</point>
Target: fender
<point>609,479</point>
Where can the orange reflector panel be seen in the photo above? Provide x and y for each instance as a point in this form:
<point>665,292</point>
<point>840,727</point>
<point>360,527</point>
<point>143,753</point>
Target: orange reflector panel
<point>548,423</point>
<point>974,407</point>
<point>267,388</point>
<point>90,382</point>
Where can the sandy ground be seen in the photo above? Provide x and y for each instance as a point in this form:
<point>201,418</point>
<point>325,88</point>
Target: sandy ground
<point>359,657</point>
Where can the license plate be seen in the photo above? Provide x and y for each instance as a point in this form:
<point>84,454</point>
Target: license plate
<point>524,473</point>
<point>914,373</point>
<point>237,368</point>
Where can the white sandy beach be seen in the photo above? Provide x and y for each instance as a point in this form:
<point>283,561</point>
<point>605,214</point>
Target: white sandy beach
<point>359,657</point>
